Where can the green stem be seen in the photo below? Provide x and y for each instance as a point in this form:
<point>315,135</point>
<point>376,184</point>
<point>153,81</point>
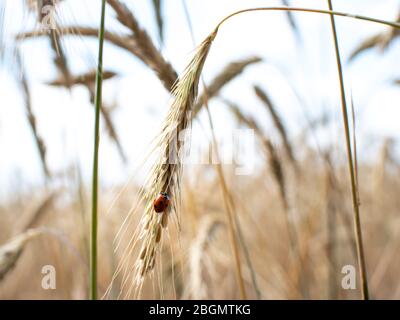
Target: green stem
<point>99,83</point>
<point>357,222</point>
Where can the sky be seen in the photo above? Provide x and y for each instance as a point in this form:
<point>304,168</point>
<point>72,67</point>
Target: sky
<point>290,68</point>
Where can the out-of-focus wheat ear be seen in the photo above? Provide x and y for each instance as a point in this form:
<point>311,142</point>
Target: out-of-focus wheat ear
<point>381,40</point>
<point>60,59</point>
<point>157,7</point>
<point>278,124</point>
<point>350,161</point>
<point>354,138</point>
<point>144,50</point>
<point>367,43</point>
<point>30,115</point>
<point>166,173</point>
<point>86,79</point>
<point>44,206</point>
<point>207,226</point>
<point>124,42</point>
<point>144,46</point>
<point>227,74</point>
<point>11,251</point>
<point>272,155</point>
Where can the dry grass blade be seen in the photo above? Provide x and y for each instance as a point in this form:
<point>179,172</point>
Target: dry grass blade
<point>145,48</point>
<point>278,124</point>
<point>351,167</point>
<point>354,140</point>
<point>31,116</point>
<point>231,71</point>
<point>60,59</point>
<point>368,43</point>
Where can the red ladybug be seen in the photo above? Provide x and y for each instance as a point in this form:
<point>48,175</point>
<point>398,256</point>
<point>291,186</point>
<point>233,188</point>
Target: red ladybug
<point>161,203</point>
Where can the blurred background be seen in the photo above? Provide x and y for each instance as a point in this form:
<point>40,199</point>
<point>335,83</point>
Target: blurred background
<point>273,72</point>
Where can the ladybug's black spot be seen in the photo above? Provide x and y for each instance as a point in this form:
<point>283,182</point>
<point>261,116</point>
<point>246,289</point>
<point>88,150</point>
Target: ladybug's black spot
<point>158,207</point>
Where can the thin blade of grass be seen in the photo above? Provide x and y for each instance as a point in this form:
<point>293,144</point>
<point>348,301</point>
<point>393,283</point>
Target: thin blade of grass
<point>354,188</point>
<point>98,99</point>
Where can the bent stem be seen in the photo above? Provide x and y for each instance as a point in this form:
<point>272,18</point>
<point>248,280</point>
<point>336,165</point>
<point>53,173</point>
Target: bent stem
<point>93,231</point>
<point>354,193</point>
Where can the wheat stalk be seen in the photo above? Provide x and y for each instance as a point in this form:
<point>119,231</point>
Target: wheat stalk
<point>96,143</point>
<point>11,251</point>
<point>206,228</point>
<point>352,168</point>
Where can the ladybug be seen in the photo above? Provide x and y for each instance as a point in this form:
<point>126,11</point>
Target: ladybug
<point>161,203</point>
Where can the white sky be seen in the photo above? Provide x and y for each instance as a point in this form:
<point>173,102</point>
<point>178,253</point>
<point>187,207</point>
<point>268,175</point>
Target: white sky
<point>65,119</point>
